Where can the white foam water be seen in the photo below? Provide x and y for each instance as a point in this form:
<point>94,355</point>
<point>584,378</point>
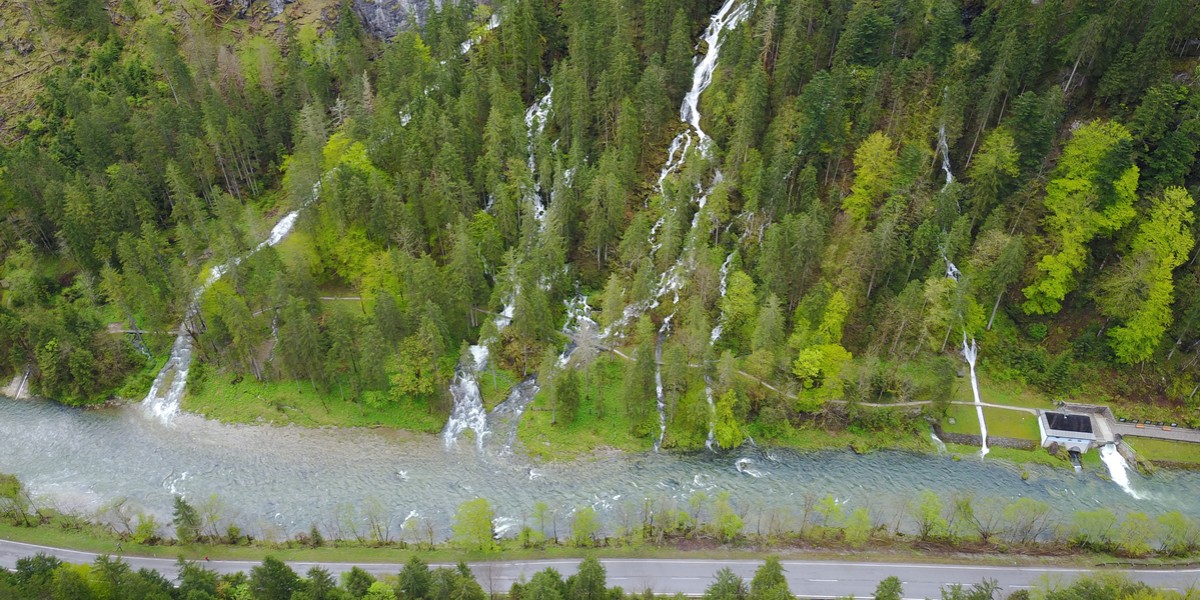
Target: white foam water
<point>535,124</point>
<point>944,149</point>
<point>970,351</point>
<point>712,340</point>
<point>166,392</point>
<point>937,442</point>
<point>659,395</point>
<point>728,17</point>
<point>1118,469</point>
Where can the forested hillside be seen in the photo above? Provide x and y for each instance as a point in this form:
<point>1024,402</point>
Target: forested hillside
<point>871,183</point>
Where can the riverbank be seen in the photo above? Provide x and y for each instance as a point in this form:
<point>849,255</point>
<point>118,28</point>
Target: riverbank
<point>92,539</point>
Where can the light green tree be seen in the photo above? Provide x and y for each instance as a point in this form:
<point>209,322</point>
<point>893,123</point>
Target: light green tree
<point>473,525</point>
<point>874,165</point>
<point>728,432</point>
<point>1090,194</point>
<point>584,527</point>
<point>1142,290</point>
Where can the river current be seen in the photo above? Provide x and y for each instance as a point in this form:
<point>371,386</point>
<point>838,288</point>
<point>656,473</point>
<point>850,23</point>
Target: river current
<point>277,481</point>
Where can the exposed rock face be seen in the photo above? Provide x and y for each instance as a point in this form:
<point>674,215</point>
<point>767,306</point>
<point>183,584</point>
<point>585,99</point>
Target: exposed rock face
<point>242,7</point>
<point>380,18</point>
<point>383,18</point>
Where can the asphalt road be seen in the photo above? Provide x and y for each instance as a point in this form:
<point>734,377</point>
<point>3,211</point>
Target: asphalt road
<point>808,579</point>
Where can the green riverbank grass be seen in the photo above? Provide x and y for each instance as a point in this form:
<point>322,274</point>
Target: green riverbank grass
<point>995,391</point>
<point>1000,422</point>
<point>1011,455</point>
<point>286,403</point>
<point>814,439</point>
<point>495,385</point>
<point>589,433</point>
<point>1165,450</point>
<point>100,541</point>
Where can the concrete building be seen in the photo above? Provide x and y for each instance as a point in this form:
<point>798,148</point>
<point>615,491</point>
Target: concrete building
<point>1072,431</point>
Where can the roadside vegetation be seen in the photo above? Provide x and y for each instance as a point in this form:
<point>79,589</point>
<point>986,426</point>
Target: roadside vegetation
<point>704,522</point>
<point>42,576</point>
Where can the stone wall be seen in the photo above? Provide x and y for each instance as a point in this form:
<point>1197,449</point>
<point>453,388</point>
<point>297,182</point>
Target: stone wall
<point>971,439</point>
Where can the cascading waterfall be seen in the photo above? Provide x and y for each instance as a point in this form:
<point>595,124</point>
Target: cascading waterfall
<point>535,124</point>
<point>505,418</point>
<point>1118,469</point>
<point>943,146</point>
<point>937,441</point>
<point>970,351</point>
<point>492,23</point>
<point>166,393</point>
<point>728,17</point>
<point>468,410</point>
<point>944,149</point>
<point>659,395</point>
<point>712,340</point>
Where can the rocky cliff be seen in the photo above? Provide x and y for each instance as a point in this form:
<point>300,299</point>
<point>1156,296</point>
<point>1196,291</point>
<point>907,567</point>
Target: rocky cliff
<point>383,18</point>
<point>380,18</point>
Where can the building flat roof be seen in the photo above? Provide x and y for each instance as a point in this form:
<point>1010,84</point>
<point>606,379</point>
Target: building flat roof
<point>1069,423</point>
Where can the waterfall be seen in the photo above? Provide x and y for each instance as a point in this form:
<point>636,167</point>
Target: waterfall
<point>944,149</point>
<point>952,271</point>
<point>728,17</point>
<point>937,441</point>
<point>712,416</point>
<point>505,418</point>
<point>660,397</point>
<point>712,340</point>
<point>467,44</point>
<point>535,124</point>
<point>970,351</point>
<point>468,411</point>
<point>166,393</point>
<point>1118,469</point>
<point>21,387</point>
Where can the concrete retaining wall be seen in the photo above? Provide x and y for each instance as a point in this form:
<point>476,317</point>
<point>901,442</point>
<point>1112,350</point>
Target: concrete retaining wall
<point>971,439</point>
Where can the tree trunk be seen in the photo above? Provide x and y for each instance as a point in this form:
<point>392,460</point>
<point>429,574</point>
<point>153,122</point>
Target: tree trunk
<point>994,307</point>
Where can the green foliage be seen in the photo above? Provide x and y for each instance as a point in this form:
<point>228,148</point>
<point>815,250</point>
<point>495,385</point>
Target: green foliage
<point>146,161</point>
<point>584,527</point>
<point>187,521</point>
<point>1142,289</point>
<point>875,164</point>
<point>890,588</point>
<point>473,525</point>
<point>1091,194</point>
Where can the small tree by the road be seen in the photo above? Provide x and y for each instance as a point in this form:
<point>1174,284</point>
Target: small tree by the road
<point>889,589</point>
<point>726,585</point>
<point>357,582</point>
<point>273,580</point>
<point>187,521</point>
<point>584,526</point>
<point>984,590</point>
<point>927,511</point>
<point>473,525</point>
<point>589,583</point>
<point>769,581</point>
<point>415,578</point>
<point>15,502</point>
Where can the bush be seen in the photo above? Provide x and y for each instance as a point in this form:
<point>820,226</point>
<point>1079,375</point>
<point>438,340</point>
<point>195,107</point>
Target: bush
<point>146,531</point>
<point>1037,331</point>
